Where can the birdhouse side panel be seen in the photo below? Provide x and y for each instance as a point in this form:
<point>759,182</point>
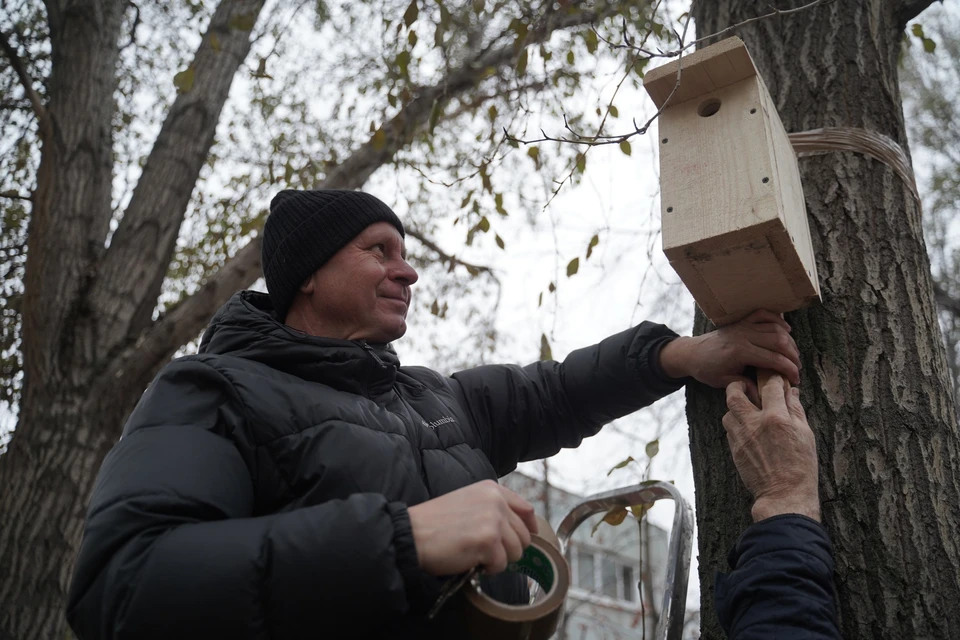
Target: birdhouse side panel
<point>794,210</point>
<point>716,166</point>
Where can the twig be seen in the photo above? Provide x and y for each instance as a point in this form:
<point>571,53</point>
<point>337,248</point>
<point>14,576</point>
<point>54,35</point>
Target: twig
<point>444,256</point>
<point>15,196</point>
<point>35,102</point>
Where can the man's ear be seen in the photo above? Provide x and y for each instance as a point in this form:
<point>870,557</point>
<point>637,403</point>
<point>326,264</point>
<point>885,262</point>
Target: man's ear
<point>307,286</point>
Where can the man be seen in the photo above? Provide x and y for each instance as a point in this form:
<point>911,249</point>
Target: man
<point>292,480</point>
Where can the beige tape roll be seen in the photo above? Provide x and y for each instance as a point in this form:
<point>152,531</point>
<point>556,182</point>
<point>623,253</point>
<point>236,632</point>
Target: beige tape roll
<point>488,619</point>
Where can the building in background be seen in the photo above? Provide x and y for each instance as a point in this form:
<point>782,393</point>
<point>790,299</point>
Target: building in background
<point>604,601</point>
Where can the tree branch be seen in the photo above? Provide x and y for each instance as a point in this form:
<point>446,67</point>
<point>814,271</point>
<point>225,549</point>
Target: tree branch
<point>448,258</point>
<point>910,9</point>
<point>43,118</point>
<point>945,301</point>
<point>131,272</point>
<point>158,342</point>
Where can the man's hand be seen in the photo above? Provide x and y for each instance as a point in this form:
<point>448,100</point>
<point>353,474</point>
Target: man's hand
<point>760,340</point>
<point>483,524</point>
<point>774,450</point>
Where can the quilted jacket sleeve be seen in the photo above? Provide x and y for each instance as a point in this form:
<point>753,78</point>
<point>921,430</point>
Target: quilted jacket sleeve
<point>527,413</point>
<point>172,549</point>
<point>781,584</point>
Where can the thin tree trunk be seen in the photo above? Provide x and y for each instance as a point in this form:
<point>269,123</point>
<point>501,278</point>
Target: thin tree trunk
<point>875,381</point>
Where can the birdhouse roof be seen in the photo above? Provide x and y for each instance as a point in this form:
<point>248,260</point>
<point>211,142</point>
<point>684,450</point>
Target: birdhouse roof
<point>703,71</point>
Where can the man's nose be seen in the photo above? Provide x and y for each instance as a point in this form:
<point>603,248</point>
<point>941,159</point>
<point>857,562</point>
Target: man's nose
<point>404,273</point>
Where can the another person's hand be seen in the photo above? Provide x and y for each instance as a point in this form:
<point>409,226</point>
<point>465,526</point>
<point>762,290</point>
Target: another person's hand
<point>760,340</point>
<point>482,524</point>
<point>774,450</point>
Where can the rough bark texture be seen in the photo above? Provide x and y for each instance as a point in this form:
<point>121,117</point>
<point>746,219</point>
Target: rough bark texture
<point>874,377</point>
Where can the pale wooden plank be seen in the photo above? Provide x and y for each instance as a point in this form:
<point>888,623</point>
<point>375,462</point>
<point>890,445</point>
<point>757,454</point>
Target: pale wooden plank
<point>701,71</point>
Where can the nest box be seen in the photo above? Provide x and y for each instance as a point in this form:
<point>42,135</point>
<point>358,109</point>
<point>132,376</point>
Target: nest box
<point>733,216</point>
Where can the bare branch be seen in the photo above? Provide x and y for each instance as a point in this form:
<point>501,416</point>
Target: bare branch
<point>13,195</point>
<point>133,269</point>
<point>910,9</point>
<point>43,118</point>
<point>159,341</point>
<point>448,258</point>
<point>945,301</point>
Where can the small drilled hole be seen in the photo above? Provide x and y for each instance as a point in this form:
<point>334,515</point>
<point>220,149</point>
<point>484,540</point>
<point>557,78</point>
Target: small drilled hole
<point>669,209</point>
<point>765,180</point>
<point>665,141</point>
<point>708,107</point>
<point>753,110</point>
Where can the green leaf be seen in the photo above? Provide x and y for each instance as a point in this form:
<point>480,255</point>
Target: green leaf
<point>412,38</point>
<point>929,45</point>
<point>435,115</point>
<point>410,15</point>
<point>581,162</point>
<point>522,63</point>
<point>484,224</point>
<point>573,267</point>
<point>592,41</point>
<point>499,240</point>
<point>545,352</point>
<point>917,30</point>
<point>625,147</point>
<point>620,465</point>
<point>657,28</point>
<point>492,112</point>
<point>594,241</point>
<point>183,81</point>
<point>653,448</point>
<point>403,61</point>
<point>243,21</point>
<point>498,201</point>
<point>570,57</point>
<point>614,111</point>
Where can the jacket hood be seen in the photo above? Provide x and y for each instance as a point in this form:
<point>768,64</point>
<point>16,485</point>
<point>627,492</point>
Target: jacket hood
<point>247,327</point>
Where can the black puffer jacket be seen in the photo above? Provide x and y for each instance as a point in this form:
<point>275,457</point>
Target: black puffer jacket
<point>260,488</point>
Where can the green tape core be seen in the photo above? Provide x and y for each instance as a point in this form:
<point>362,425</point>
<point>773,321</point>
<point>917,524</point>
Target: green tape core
<point>536,565</point>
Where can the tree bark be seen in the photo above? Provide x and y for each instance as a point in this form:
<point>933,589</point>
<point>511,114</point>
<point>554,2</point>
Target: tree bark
<point>874,378</point>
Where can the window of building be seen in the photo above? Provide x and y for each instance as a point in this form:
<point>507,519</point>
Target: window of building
<point>608,577</point>
<point>585,578</point>
<point>629,586</point>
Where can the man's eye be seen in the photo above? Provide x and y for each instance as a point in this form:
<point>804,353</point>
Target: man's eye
<point>380,247</point>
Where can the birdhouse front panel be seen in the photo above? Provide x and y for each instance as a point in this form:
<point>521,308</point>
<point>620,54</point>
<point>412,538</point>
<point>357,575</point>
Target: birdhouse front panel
<point>733,218</point>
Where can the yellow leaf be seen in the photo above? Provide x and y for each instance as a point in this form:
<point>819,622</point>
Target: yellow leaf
<point>614,517</point>
<point>379,139</point>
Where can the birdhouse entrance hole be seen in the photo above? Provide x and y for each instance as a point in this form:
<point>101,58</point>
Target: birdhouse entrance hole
<point>708,107</point>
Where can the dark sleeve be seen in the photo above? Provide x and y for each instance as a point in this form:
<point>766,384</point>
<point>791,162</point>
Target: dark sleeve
<point>171,549</point>
<point>527,413</point>
<point>781,584</point>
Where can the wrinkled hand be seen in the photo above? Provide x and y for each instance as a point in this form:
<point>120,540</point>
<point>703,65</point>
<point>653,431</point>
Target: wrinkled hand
<point>773,449</point>
<point>482,524</point>
<point>760,340</point>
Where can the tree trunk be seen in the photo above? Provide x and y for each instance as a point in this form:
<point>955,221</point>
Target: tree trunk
<point>874,378</point>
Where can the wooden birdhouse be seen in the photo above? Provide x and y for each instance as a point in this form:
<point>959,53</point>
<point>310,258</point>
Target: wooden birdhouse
<point>733,216</point>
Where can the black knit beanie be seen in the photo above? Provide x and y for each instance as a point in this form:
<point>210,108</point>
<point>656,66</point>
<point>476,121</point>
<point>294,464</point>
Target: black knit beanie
<point>304,230</point>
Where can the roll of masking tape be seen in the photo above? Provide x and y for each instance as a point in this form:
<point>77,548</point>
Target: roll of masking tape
<point>489,619</point>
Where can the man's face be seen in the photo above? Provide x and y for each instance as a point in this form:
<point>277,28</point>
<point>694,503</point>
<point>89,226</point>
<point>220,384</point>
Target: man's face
<point>363,291</point>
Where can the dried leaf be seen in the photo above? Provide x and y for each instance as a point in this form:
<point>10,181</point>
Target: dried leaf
<point>410,15</point>
<point>499,241</point>
<point>614,517</point>
<point>594,241</point>
<point>573,267</point>
<point>545,352</point>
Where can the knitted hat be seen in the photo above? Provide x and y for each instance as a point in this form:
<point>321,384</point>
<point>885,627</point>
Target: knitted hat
<point>304,230</point>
